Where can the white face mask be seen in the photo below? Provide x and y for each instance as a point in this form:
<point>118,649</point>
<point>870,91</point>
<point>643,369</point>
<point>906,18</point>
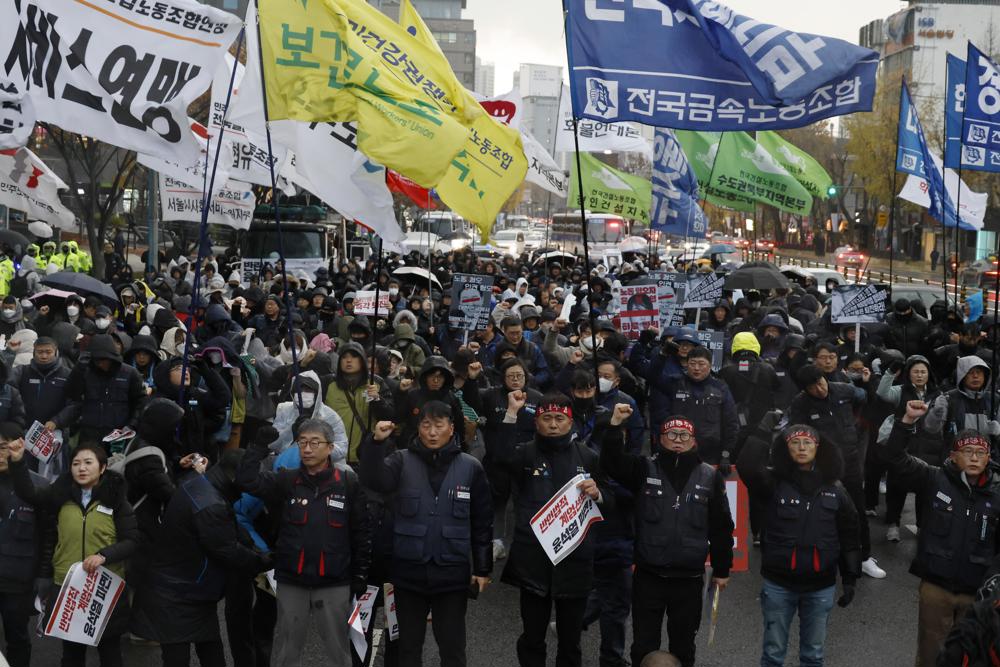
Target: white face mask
<point>215,357</point>
<point>102,323</point>
<point>393,291</point>
<point>72,311</point>
<point>308,400</point>
<point>605,385</point>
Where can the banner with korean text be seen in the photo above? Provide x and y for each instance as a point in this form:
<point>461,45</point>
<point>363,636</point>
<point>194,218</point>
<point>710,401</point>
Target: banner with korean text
<point>562,524</point>
<point>232,206</point>
<point>84,605</point>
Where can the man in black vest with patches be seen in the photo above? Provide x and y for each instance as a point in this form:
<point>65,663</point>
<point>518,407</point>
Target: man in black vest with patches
<point>442,530</point>
<point>681,518</point>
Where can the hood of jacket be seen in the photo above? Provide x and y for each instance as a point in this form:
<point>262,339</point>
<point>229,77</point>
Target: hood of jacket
<point>404,331</point>
<point>966,364</point>
<point>168,345</point>
<point>773,320</point>
<point>746,342</point>
<point>224,345</point>
<point>143,343</point>
<point>158,423</point>
<point>28,264</point>
<point>102,346</point>
<point>165,319</point>
<point>437,363</point>
<point>358,350</point>
<point>216,315</point>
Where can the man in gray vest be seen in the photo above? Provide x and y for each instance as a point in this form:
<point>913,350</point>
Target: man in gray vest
<point>681,518</point>
<point>442,530</point>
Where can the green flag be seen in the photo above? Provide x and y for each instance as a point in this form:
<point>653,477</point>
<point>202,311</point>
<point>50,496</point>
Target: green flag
<point>802,166</point>
<point>607,190</point>
<point>743,172</point>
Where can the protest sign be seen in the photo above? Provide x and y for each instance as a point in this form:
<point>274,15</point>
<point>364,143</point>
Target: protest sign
<point>704,291</point>
<point>638,307</point>
<point>41,443</point>
<point>470,301</point>
<point>84,605</point>
<point>360,619</point>
<point>562,523</point>
<point>364,303</point>
<point>716,342</point>
<point>852,304</point>
<point>671,288</point>
<point>739,507</point>
<point>391,622</point>
<point>232,206</point>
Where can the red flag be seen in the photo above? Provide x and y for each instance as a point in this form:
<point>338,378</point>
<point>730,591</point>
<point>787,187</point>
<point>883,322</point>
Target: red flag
<point>401,184</point>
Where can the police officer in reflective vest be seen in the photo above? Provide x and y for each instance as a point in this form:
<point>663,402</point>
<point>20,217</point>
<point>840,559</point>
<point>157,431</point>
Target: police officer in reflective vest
<point>681,517</point>
<point>958,531</point>
<point>442,530</point>
<point>540,468</point>
<point>810,530</point>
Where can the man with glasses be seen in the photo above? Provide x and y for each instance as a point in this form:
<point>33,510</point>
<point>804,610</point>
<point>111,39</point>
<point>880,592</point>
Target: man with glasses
<point>708,404</point>
<point>323,548</point>
<point>682,518</point>
<point>443,530</point>
<point>958,534</point>
<point>826,358</point>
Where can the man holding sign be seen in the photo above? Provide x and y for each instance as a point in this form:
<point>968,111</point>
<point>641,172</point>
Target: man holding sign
<point>541,468</point>
<point>681,518</point>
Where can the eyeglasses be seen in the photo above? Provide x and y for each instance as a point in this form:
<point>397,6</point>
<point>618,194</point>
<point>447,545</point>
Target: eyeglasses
<point>974,452</point>
<point>515,376</point>
<point>678,436</point>
<point>312,444</point>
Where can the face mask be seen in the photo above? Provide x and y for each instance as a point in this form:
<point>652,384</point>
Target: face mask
<point>582,405</point>
<point>308,400</point>
<point>393,291</point>
<point>854,376</point>
<point>72,311</point>
<point>102,323</point>
<point>9,314</point>
<point>605,385</point>
<point>215,357</point>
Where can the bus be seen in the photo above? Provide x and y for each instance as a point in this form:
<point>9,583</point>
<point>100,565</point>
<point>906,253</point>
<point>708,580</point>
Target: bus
<point>308,246</point>
<point>604,231</point>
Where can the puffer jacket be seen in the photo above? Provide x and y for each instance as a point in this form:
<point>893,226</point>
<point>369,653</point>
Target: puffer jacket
<point>288,414</point>
<point>352,406</point>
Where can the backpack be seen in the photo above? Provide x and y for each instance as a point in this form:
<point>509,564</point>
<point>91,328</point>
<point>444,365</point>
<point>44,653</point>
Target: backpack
<point>19,285</point>
<point>118,462</point>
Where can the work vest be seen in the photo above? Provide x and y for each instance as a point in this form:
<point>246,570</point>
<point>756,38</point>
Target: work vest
<point>672,528</point>
<point>800,535</point>
<point>957,531</point>
<point>106,401</point>
<point>83,533</point>
<point>314,545</point>
<point>434,528</point>
<point>18,538</point>
<point>705,412</point>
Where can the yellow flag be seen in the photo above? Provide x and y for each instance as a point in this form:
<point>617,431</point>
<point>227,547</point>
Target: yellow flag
<point>343,60</point>
<point>491,164</point>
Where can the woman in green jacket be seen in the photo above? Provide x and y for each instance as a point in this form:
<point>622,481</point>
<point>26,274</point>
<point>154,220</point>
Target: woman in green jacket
<point>94,523</point>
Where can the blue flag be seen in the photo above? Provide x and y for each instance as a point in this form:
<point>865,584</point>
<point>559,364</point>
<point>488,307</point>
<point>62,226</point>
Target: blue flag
<point>675,207</point>
<point>954,106</point>
<point>696,65</point>
<point>981,122</point>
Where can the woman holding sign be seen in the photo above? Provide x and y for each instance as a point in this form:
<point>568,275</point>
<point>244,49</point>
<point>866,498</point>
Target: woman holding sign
<point>94,521</point>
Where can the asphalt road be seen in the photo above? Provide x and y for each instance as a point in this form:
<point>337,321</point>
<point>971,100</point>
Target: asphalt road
<point>879,628</point>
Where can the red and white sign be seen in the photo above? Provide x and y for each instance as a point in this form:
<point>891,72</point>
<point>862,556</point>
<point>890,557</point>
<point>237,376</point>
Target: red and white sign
<point>42,443</point>
<point>391,621</point>
<point>364,303</point>
<point>562,524</point>
<point>739,507</point>
<point>85,603</point>
<point>639,310</point>
<point>360,619</point>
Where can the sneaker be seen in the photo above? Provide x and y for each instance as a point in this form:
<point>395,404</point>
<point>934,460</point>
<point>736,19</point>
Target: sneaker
<point>499,550</point>
<point>871,568</point>
<point>871,512</point>
<point>881,487</point>
<point>892,534</point>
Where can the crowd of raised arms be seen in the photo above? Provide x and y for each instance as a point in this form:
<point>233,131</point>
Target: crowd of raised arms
<point>269,429</point>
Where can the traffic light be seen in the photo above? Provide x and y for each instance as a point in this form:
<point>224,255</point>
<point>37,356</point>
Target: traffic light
<point>831,191</point>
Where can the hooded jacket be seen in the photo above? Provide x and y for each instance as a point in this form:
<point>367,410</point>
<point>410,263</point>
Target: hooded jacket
<point>217,323</point>
<point>168,345</point>
<point>206,400</point>
<point>770,349</point>
<point>409,404</point>
<point>349,400</point>
<point>405,342</point>
<point>104,400</point>
<point>752,382</point>
<point>14,322</point>
<point>965,408</point>
<point>288,414</point>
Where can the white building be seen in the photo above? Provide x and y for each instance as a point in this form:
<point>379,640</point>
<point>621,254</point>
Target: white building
<point>540,86</point>
<point>485,77</point>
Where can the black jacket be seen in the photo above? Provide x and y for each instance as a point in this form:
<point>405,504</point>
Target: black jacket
<point>103,401</point>
<point>410,402</point>
<point>20,539</point>
<point>907,334</point>
<point>43,392</point>
<point>832,416</point>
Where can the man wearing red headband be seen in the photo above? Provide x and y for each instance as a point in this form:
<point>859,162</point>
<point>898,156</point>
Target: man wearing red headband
<point>540,468</point>
<point>958,532</point>
<point>681,518</point>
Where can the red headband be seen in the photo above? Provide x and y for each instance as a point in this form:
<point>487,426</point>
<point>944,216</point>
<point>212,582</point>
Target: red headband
<point>801,433</point>
<point>552,407</point>
<point>972,440</point>
<point>677,423</point>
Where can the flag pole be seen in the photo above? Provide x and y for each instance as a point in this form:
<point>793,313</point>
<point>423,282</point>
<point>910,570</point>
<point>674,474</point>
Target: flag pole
<point>208,183</point>
<point>958,223</point>
<point>277,217</point>
<point>892,193</point>
<point>378,283</point>
<point>996,314</point>
<point>944,190</point>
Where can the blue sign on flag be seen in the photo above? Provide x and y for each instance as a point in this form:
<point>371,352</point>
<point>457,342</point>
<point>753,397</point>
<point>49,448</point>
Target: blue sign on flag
<point>981,122</point>
<point>954,106</point>
<point>697,65</point>
<point>675,189</point>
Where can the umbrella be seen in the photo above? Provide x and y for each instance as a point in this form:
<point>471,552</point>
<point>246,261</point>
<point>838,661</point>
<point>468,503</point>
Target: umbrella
<point>421,275</point>
<point>81,283</point>
<point>14,239</point>
<point>633,244</point>
<point>720,249</point>
<point>52,294</point>
<point>556,254</point>
<point>40,229</point>
<point>756,275</point>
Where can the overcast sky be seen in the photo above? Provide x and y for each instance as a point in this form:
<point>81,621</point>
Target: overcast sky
<point>510,32</point>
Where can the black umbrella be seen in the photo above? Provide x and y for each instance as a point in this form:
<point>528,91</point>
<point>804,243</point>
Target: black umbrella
<point>81,283</point>
<point>756,275</point>
<point>15,240</point>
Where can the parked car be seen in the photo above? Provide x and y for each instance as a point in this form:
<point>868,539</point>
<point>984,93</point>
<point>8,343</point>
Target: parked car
<point>848,256</point>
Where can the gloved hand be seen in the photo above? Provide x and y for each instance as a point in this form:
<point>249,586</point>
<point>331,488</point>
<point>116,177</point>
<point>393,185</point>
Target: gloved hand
<point>993,427</point>
<point>725,467</point>
<point>265,436</point>
<point>939,408</point>
<point>647,337</point>
<point>43,587</point>
<point>359,586</point>
<point>847,597</point>
<point>895,366</point>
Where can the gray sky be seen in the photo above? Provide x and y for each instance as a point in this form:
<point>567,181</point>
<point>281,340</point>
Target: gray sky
<point>510,32</point>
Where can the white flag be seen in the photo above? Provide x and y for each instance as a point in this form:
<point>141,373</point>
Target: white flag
<point>233,206</point>
<point>596,136</point>
<point>192,174</point>
<point>121,72</point>
<point>973,204</point>
<point>28,185</point>
<point>542,169</point>
<point>507,108</point>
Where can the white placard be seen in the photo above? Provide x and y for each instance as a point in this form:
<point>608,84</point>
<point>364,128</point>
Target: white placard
<point>85,604</point>
<point>364,303</point>
<point>562,524</point>
<point>232,205</point>
<point>41,443</point>
<point>360,619</point>
<point>391,621</point>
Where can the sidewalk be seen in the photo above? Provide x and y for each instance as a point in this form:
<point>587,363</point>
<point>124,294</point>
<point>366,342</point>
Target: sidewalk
<point>876,267</point>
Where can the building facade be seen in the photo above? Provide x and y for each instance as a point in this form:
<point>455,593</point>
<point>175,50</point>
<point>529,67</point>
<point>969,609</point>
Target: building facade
<point>539,86</point>
<point>485,77</point>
